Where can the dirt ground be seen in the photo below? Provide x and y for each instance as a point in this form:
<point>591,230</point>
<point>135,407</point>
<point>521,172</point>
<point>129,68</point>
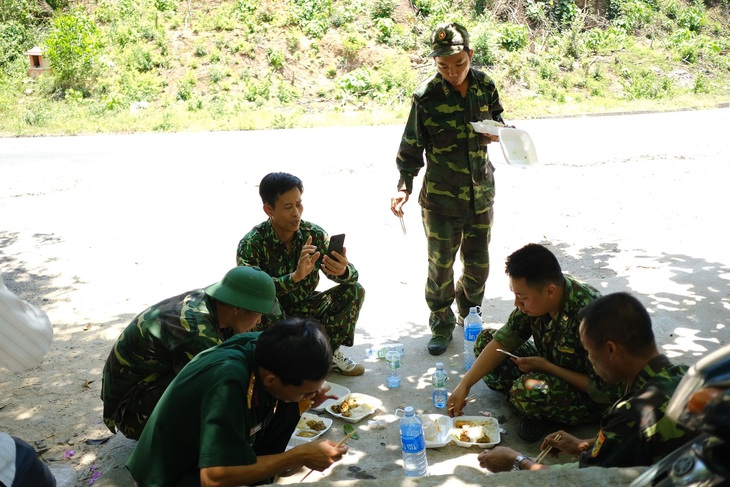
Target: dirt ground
<point>95,229</point>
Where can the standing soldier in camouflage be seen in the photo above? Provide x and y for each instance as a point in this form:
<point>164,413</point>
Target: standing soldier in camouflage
<point>617,332</point>
<point>293,251</point>
<point>553,380</point>
<point>162,339</point>
<point>458,188</point>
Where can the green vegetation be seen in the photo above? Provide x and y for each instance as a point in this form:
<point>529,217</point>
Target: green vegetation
<point>169,65</point>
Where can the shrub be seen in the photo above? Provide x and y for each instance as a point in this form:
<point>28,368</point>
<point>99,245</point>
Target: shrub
<point>356,82</point>
<point>13,37</point>
<point>276,58</point>
<point>185,87</point>
<point>73,44</point>
<point>692,18</point>
<point>351,44</point>
<point>513,37</point>
<point>483,41</point>
<point>646,84</point>
<point>383,9</point>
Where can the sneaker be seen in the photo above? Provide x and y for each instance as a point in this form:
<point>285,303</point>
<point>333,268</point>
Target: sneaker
<point>344,365</point>
<point>531,429</point>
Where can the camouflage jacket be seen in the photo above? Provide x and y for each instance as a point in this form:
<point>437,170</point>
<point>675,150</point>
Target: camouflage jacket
<point>458,175</point>
<point>557,339</point>
<point>635,432</point>
<point>261,247</point>
<point>159,341</point>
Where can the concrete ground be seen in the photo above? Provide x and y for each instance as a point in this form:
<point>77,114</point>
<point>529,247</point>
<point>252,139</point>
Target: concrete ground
<point>98,228</point>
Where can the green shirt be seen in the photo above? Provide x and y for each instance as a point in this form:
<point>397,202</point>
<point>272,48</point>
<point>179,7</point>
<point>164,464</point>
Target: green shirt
<point>158,342</point>
<point>203,419</point>
<point>635,431</point>
<point>262,247</point>
<point>557,339</point>
<point>458,175</point>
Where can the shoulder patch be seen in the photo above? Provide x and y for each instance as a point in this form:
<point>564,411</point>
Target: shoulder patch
<point>600,438</point>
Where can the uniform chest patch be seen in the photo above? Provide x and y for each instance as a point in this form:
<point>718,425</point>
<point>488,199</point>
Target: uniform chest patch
<point>599,443</point>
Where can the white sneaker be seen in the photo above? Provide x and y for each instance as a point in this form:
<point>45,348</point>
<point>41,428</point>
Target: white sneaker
<point>344,365</point>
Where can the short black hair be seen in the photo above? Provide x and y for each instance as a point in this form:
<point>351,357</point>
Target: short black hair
<point>295,350</point>
<point>536,264</point>
<point>276,184</point>
<point>620,318</point>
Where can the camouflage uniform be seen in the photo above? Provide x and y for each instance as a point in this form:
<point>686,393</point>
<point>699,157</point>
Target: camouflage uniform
<point>458,188</point>
<point>635,432</point>
<point>558,341</point>
<point>150,352</point>
<point>336,308</point>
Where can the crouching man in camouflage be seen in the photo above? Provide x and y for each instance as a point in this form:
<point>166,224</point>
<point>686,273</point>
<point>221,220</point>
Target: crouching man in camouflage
<point>616,331</point>
<point>293,251</point>
<point>158,342</point>
<point>553,380</point>
<point>458,188</point>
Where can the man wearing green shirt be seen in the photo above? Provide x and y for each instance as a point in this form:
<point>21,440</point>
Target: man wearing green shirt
<point>158,342</point>
<point>458,188</point>
<point>206,428</point>
<point>293,252</point>
<point>616,331</point>
<point>553,380</point>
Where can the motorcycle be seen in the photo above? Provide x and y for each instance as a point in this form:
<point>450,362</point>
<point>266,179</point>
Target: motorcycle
<point>701,403</point>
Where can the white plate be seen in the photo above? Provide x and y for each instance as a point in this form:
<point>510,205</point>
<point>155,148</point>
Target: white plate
<point>437,430</point>
<point>337,390</point>
<point>480,424</point>
<point>487,127</point>
<point>367,405</point>
<point>302,431</point>
<point>446,430</point>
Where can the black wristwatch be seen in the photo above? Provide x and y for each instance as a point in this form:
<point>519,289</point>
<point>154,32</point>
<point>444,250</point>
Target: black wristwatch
<point>518,461</point>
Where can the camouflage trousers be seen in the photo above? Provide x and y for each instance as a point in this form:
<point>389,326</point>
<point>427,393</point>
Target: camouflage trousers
<point>337,309</point>
<point>134,409</point>
<point>550,398</point>
<point>446,235</point>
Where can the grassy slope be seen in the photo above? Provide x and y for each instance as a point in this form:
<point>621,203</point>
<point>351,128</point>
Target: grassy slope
<point>235,65</point>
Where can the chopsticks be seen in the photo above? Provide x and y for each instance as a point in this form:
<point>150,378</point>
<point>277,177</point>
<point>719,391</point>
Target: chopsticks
<point>402,224</point>
<point>343,440</point>
<point>468,398</point>
<point>543,453</point>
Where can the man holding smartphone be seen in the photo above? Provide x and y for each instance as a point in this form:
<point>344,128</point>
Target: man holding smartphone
<point>548,379</point>
<point>293,251</point>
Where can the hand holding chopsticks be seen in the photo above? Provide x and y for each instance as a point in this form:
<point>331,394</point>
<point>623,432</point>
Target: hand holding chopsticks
<point>351,433</point>
<point>544,453</point>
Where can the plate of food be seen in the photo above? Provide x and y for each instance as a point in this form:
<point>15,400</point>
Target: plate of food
<point>437,430</point>
<point>335,389</point>
<point>310,427</point>
<point>475,431</point>
<point>354,407</point>
<point>487,127</point>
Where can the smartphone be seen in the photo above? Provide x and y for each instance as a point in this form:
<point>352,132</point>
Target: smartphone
<point>337,243</point>
<point>507,353</point>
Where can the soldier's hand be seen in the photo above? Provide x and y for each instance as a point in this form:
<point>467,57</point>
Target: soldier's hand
<point>335,265</point>
<point>498,459</point>
<point>567,444</point>
<point>322,395</point>
<point>320,455</point>
<point>486,139</point>
<point>307,259</point>
<point>397,202</point>
<point>531,364</point>
<point>456,402</point>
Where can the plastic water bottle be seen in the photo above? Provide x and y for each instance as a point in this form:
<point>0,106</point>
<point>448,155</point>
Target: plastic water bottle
<point>381,351</point>
<point>472,327</point>
<point>413,444</point>
<point>438,380</point>
<point>393,359</point>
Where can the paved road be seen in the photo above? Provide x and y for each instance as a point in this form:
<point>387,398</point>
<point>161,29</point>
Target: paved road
<point>96,228</point>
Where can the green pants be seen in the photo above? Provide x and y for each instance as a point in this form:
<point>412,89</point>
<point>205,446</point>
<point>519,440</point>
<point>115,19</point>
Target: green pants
<point>446,235</point>
<point>554,399</point>
<point>337,309</point>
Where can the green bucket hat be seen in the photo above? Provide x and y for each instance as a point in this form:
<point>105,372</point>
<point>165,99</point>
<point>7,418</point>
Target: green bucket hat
<point>448,39</point>
<point>248,288</point>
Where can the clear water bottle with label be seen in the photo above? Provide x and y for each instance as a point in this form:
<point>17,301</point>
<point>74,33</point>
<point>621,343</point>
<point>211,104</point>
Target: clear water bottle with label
<point>472,327</point>
<point>393,359</point>
<point>382,350</point>
<point>413,444</point>
<point>438,380</point>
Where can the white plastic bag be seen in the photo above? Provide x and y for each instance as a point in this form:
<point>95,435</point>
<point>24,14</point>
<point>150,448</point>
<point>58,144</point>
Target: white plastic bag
<point>25,332</point>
